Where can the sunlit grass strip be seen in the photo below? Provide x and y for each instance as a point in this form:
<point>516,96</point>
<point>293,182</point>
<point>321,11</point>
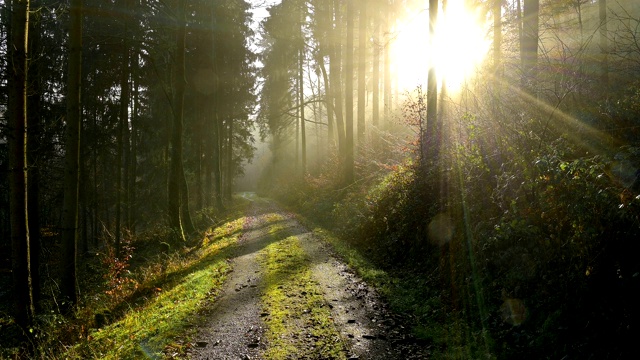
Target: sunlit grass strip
<point>298,313</point>
<point>146,331</point>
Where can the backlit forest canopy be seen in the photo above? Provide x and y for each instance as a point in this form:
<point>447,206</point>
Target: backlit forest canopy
<point>486,151</point>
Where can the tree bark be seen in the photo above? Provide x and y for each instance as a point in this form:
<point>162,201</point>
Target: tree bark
<point>185,215</point>
<point>123,131</point>
<point>133,172</point>
<point>387,62</point>
<point>349,161</point>
<point>230,166</point>
<point>362,61</point>
<point>17,142</point>
<point>328,102</point>
<point>431,146</point>
<point>497,37</point>
<point>176,172</point>
<point>377,30</point>
<point>324,23</point>
<point>529,46</point>
<point>604,45</point>
<point>34,129</point>
<point>335,70</point>
<point>303,132</point>
<point>72,157</point>
<point>217,119</point>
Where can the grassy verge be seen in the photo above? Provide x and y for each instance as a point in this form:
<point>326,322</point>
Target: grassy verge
<point>406,293</point>
<point>171,301</point>
<point>299,323</point>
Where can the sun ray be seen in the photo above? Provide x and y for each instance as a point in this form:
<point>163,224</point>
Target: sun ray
<point>460,46</point>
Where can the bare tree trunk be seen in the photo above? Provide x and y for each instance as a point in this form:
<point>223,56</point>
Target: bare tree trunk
<point>328,103</point>
<point>497,37</point>
<point>349,161</point>
<point>530,28</point>
<point>298,107</point>
<point>217,159</point>
<point>133,172</point>
<point>324,23</point>
<point>199,138</point>
<point>217,121</point>
<point>362,61</point>
<point>430,140</point>
<point>123,131</point>
<point>34,129</point>
<point>185,216</point>
<point>336,76</point>
<point>176,173</point>
<point>604,45</point>
<point>387,62</point>
<point>303,131</point>
<point>72,158</point>
<point>377,30</point>
<point>17,141</point>
<point>230,167</point>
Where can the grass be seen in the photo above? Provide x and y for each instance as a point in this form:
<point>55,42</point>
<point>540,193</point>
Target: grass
<point>409,293</point>
<point>176,296</point>
<point>299,324</point>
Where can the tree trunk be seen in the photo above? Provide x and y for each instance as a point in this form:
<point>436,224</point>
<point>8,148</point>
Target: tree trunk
<point>72,157</point>
<point>176,174</point>
<point>297,135</point>
<point>217,158</point>
<point>604,45</point>
<point>335,70</point>
<point>529,46</point>
<point>17,141</point>
<point>123,131</point>
<point>497,37</point>
<point>94,200</point>
<point>217,120</point>
<point>349,161</point>
<point>230,165</point>
<point>324,23</point>
<point>303,132</point>
<point>377,30</point>
<point>34,129</point>
<point>362,61</point>
<point>133,172</point>
<point>185,215</point>
<point>199,138</point>
<point>431,146</point>
<point>328,103</point>
<point>387,62</point>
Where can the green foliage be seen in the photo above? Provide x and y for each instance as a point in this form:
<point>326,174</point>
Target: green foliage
<point>165,303</point>
<point>136,305</point>
<point>570,240</point>
<point>550,240</point>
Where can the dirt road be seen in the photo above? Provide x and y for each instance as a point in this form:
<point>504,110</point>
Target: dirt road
<point>237,326</point>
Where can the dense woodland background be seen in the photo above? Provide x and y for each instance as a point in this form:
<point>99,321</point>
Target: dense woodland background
<point>511,205</point>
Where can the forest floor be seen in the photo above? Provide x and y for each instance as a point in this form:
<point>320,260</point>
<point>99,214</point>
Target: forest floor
<point>289,297</point>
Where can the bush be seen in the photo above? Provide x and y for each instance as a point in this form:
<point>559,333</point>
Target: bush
<point>565,245</point>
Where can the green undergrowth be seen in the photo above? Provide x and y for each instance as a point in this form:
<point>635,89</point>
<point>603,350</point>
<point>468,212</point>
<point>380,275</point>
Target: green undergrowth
<point>164,306</point>
<point>299,323</point>
<point>533,259</point>
<point>409,292</point>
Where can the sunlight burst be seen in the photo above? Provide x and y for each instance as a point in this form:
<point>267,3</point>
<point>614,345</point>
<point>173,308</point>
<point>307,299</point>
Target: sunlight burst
<point>460,46</point>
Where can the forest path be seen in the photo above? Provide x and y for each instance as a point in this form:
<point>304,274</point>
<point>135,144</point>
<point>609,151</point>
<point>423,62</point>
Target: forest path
<point>237,324</point>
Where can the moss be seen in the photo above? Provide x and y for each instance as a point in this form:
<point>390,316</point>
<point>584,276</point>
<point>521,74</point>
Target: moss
<point>299,324</point>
